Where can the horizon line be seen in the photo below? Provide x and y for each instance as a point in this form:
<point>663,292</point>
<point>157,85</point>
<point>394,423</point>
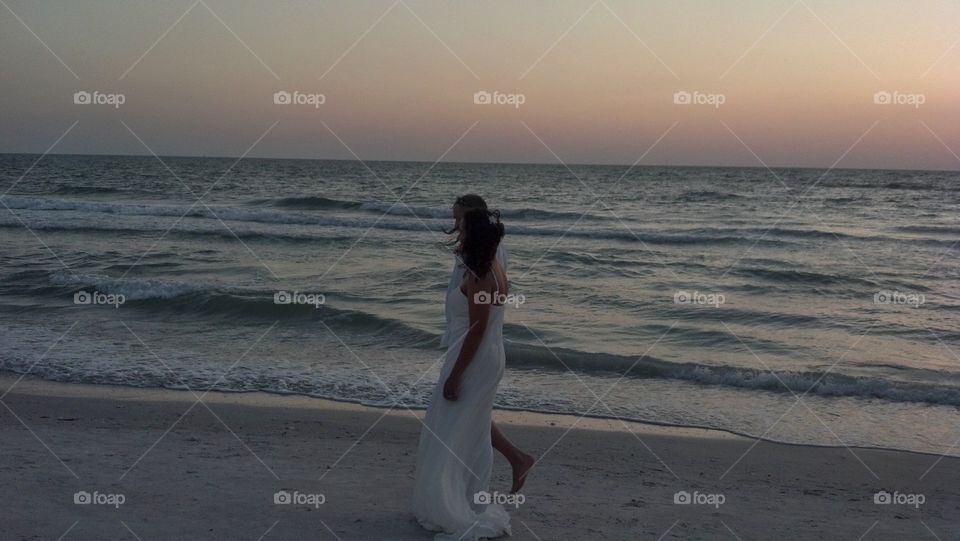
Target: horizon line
<point>244,158</point>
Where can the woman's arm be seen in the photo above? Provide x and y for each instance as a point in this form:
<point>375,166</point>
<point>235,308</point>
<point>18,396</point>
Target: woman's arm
<point>479,314</point>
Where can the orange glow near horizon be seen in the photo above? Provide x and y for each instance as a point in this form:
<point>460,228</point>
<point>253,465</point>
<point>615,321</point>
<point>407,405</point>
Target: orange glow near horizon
<point>598,79</point>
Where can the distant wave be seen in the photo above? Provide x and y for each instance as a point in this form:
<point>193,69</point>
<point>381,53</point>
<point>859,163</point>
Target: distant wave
<point>806,277</point>
<point>181,230</point>
<point>85,190</point>
<point>818,383</point>
<point>406,209</point>
<point>616,232</point>
<point>307,203</point>
<point>944,185</point>
<point>706,196</point>
<point>935,229</point>
<point>238,304</point>
<point>209,301</point>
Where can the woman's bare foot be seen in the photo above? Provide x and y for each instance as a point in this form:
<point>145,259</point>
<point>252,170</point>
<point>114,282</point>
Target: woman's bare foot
<point>520,470</point>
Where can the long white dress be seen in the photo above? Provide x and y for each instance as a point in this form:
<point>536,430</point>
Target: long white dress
<point>456,276</point>
<point>455,455</point>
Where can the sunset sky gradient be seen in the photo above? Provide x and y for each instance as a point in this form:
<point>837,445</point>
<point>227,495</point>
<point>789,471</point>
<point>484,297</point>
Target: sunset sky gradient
<point>798,77</point>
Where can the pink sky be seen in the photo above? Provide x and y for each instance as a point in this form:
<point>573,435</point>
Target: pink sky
<point>796,79</point>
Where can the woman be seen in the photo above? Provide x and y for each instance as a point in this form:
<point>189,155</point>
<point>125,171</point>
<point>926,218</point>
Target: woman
<point>455,456</point>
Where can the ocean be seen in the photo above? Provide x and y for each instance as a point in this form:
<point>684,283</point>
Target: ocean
<point>798,305</point>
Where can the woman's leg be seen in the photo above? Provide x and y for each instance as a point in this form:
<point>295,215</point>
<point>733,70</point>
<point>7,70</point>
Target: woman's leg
<point>519,461</point>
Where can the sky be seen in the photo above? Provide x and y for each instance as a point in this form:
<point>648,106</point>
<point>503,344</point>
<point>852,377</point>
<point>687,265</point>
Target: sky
<point>770,83</point>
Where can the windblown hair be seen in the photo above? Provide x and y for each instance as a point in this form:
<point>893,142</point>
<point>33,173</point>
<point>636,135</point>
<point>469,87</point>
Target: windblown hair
<point>470,201</point>
<point>480,236</point>
<point>467,202</point>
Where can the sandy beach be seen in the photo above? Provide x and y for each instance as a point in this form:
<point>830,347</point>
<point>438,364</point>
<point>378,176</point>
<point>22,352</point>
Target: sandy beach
<point>159,465</point>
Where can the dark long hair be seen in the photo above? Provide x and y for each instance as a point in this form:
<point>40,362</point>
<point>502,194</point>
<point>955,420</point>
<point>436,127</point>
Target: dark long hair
<point>481,233</point>
<point>467,202</point>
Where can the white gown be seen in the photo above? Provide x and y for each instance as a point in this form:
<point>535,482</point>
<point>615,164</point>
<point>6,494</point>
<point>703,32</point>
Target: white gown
<point>454,283</point>
<point>455,455</point>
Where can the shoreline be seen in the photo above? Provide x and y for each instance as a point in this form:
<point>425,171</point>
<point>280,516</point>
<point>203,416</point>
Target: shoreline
<point>212,470</point>
<point>526,417</point>
<point>268,399</point>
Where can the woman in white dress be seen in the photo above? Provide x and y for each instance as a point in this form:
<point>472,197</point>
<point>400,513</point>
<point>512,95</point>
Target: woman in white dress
<point>455,455</point>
